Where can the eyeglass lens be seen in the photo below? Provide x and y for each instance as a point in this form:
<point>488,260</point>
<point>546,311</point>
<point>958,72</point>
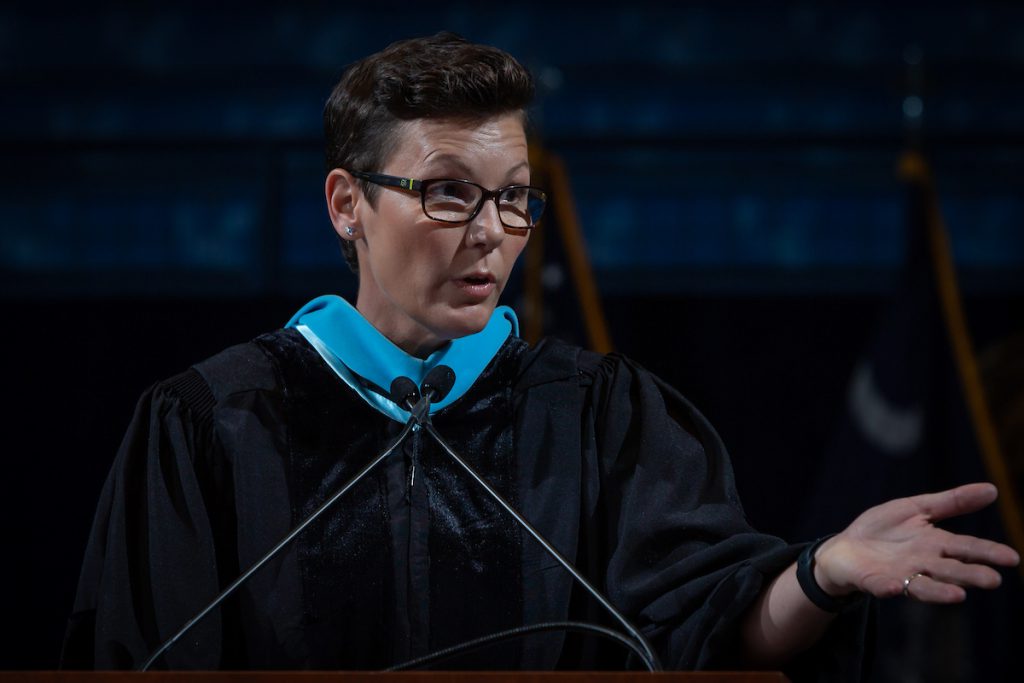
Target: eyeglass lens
<point>455,201</point>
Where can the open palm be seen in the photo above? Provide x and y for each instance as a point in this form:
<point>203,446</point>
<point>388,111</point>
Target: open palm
<point>898,540</point>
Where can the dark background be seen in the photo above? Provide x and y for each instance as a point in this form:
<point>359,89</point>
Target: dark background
<point>733,165</point>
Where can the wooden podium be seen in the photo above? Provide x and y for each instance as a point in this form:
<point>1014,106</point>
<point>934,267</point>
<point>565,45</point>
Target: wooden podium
<point>390,677</point>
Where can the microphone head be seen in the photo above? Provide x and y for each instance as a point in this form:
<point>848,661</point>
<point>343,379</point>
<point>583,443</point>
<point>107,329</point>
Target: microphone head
<point>438,383</point>
<point>404,392</point>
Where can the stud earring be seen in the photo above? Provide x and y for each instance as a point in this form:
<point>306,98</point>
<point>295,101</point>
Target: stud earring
<point>350,231</point>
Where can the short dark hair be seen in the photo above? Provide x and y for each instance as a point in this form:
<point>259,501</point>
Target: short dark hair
<point>443,76</point>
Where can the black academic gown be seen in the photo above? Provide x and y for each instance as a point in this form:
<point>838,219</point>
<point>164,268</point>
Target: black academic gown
<point>609,463</point>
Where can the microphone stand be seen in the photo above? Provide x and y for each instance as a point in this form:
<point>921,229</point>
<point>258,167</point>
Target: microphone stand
<point>419,411</point>
<point>650,659</point>
<point>435,386</point>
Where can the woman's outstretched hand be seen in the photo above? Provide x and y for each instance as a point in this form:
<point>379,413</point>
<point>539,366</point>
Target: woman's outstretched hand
<point>896,548</point>
<point>892,548</point>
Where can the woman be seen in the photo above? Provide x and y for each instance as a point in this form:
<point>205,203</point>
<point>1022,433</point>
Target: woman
<point>428,187</point>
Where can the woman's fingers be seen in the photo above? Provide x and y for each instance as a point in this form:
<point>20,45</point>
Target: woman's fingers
<point>941,580</point>
<point>926,589</point>
<point>953,502</point>
<point>973,549</point>
<point>963,574</point>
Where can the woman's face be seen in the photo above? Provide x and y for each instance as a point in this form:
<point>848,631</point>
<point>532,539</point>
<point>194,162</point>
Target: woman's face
<point>421,282</point>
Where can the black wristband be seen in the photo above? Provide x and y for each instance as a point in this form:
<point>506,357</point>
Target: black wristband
<point>814,593</point>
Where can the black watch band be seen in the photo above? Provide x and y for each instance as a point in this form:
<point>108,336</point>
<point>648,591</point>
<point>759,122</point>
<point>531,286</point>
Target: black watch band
<point>810,587</point>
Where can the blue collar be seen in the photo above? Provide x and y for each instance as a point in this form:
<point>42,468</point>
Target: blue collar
<point>352,347</point>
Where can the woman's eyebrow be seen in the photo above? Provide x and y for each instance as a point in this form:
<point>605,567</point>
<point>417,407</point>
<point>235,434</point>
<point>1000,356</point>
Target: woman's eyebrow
<point>515,169</point>
<point>450,160</point>
<point>456,162</point>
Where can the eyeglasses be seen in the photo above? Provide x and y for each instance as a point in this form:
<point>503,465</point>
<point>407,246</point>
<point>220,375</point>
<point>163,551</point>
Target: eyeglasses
<point>448,200</point>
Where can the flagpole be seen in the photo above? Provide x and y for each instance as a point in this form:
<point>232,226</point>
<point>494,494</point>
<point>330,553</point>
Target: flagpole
<point>533,286</point>
<point>914,169</point>
<point>579,261</point>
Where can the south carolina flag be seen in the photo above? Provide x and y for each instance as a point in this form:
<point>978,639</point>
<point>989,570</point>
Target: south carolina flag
<point>917,420</point>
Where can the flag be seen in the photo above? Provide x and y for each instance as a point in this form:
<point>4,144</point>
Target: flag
<point>916,419</point>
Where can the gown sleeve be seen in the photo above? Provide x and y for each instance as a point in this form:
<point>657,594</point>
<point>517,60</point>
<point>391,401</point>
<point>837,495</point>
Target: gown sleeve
<point>134,591</point>
<point>682,557</point>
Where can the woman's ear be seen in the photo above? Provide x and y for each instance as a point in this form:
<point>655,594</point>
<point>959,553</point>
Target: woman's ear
<point>343,196</point>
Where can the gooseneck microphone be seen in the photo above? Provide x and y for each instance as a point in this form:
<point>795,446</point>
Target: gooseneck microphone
<point>438,382</point>
<point>647,654</point>
<point>404,393</point>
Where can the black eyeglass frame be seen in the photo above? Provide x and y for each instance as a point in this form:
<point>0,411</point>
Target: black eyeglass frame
<point>421,186</point>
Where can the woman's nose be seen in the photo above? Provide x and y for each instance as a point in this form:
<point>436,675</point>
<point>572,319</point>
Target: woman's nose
<point>486,229</point>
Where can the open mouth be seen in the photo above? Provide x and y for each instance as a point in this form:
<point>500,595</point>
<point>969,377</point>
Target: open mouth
<point>474,280</point>
<point>477,285</point>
